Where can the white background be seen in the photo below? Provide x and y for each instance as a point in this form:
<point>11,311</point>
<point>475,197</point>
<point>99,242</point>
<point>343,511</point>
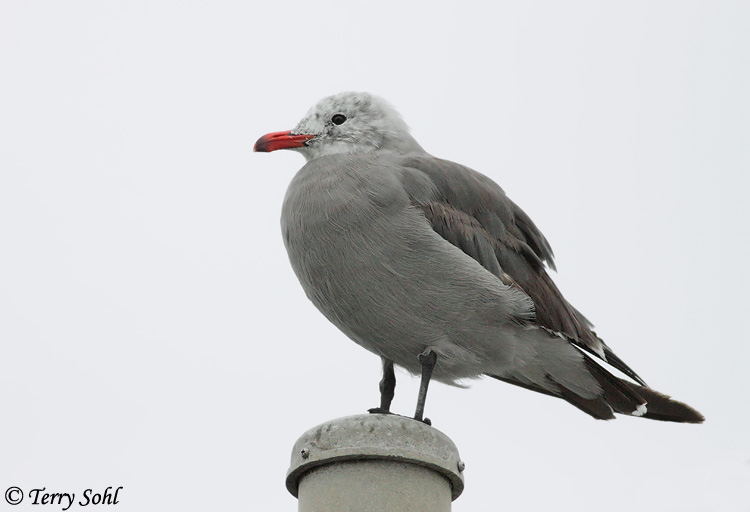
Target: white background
<point>153,335</point>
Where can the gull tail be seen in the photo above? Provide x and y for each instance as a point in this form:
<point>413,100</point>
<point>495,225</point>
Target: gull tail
<point>626,397</point>
<point>663,408</point>
<point>615,396</point>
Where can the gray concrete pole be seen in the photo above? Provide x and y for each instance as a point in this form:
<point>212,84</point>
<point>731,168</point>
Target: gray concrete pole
<point>375,462</point>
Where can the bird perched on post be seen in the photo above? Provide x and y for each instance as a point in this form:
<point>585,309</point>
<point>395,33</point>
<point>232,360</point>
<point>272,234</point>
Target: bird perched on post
<point>429,265</point>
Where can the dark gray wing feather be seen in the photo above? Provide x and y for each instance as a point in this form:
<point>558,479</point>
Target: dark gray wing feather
<point>473,213</point>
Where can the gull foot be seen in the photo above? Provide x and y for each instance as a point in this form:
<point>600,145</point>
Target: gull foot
<point>378,410</point>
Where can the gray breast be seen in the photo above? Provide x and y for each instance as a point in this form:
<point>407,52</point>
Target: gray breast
<point>371,263</point>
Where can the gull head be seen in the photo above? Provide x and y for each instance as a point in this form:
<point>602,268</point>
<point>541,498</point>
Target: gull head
<point>346,123</point>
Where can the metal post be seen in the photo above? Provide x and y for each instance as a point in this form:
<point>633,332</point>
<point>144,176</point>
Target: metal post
<point>375,462</point>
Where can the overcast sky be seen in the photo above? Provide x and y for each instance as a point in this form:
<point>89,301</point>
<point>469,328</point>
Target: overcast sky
<point>153,335</point>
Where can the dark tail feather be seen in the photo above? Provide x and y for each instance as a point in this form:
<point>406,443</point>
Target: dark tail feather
<point>632,399</point>
<point>661,407</point>
<point>620,396</point>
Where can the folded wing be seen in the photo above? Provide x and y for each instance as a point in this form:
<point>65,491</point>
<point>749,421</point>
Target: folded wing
<point>473,213</point>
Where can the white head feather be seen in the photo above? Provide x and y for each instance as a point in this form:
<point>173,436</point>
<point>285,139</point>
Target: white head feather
<point>369,123</point>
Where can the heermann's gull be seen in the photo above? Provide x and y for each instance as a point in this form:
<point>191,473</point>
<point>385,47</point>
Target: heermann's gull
<point>429,265</point>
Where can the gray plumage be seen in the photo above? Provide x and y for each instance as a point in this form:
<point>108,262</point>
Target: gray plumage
<point>405,252</point>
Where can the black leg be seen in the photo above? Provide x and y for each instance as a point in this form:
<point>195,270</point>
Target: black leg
<point>387,388</point>
<point>427,360</point>
<point>387,385</point>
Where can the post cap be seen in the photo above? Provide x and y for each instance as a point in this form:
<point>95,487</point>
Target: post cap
<point>376,436</point>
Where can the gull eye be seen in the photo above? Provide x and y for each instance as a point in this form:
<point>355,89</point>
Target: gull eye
<point>338,119</point>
